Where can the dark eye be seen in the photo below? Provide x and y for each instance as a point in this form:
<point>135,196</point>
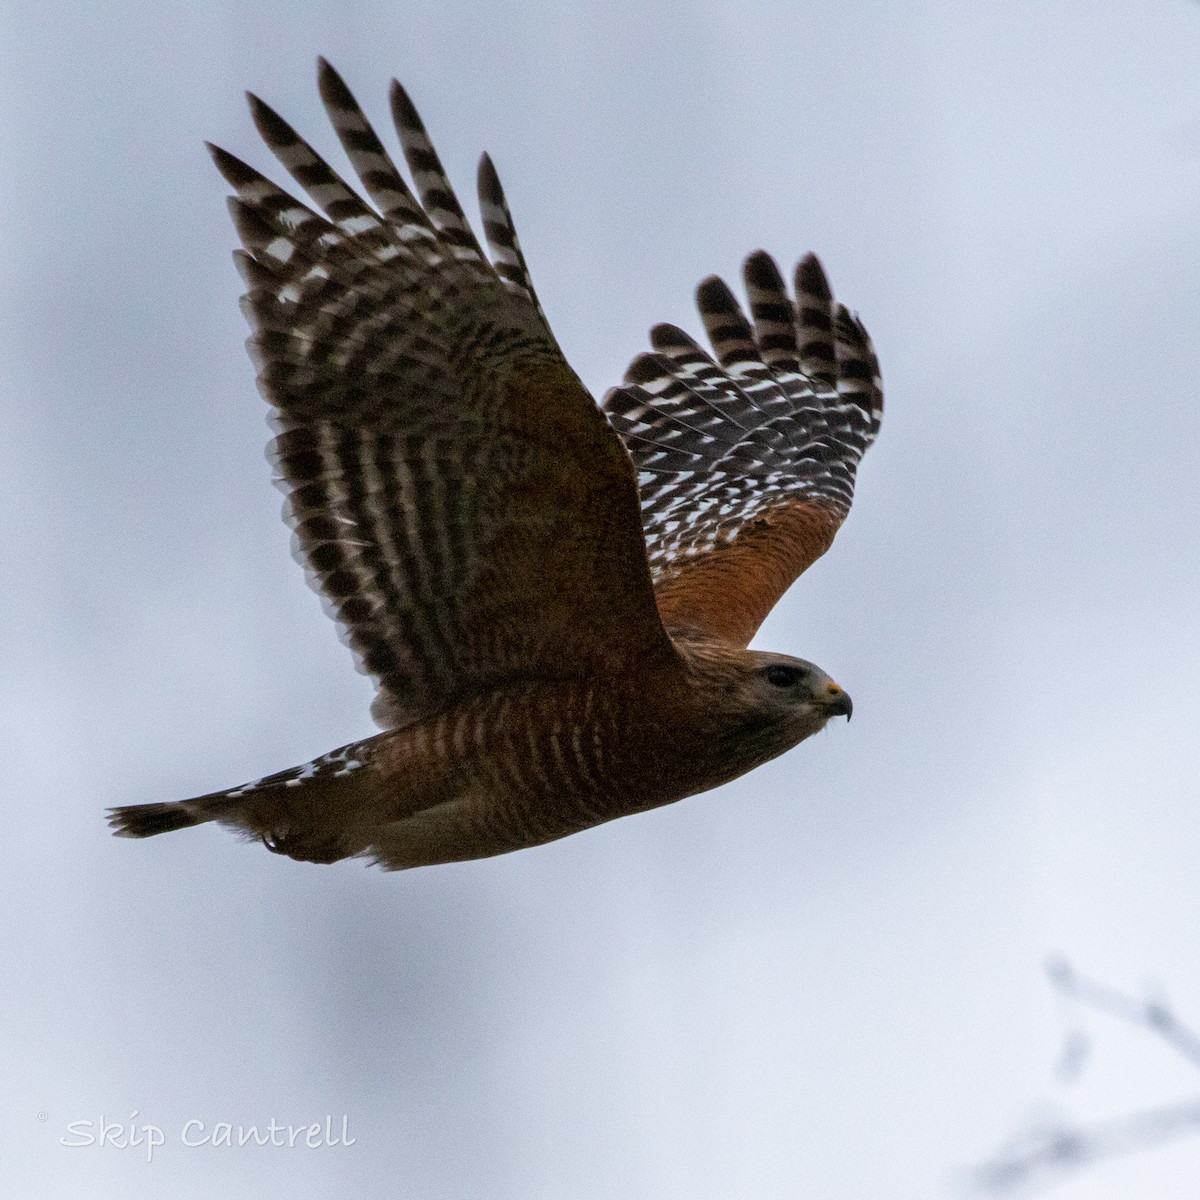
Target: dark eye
<point>781,676</point>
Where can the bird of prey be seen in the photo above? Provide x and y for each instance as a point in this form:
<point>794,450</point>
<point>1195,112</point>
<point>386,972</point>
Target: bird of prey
<point>554,596</point>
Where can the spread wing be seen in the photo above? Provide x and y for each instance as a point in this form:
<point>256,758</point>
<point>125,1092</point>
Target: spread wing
<point>746,464</point>
<point>457,497</point>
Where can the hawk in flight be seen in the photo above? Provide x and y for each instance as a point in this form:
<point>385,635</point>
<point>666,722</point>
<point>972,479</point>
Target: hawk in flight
<point>555,597</point>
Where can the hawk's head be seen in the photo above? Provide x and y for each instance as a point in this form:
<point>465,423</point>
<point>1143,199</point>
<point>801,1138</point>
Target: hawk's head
<point>792,691</point>
<point>758,704</point>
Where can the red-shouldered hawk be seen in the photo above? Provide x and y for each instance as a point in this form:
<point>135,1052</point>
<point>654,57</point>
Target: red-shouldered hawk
<point>555,597</point>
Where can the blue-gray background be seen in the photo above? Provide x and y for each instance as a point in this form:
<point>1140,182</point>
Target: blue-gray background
<point>822,980</point>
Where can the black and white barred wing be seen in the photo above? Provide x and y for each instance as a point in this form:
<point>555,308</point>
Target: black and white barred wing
<point>456,496</point>
<point>746,464</point>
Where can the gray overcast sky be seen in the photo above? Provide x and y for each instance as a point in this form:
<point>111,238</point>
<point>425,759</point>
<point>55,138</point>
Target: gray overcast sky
<point>822,980</point>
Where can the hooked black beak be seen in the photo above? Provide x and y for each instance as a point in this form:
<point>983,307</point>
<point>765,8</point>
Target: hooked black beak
<point>840,704</point>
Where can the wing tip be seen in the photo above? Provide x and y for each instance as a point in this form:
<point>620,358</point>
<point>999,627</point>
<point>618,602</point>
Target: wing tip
<point>761,271</point>
<point>811,279</point>
<point>273,129</point>
<point>404,112</point>
<point>331,86</point>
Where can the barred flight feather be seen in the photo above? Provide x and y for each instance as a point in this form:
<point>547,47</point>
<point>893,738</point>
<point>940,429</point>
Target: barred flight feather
<point>403,366</point>
<point>757,449</point>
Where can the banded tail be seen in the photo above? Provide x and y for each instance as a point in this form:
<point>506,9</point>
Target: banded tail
<point>304,812</point>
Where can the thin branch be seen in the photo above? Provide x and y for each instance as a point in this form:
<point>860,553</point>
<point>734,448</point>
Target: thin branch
<point>1153,1014</point>
<point>1051,1150</point>
<point>1042,1157</point>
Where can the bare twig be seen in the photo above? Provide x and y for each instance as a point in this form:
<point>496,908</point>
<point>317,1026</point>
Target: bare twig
<point>1152,1013</point>
<point>1051,1149</point>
